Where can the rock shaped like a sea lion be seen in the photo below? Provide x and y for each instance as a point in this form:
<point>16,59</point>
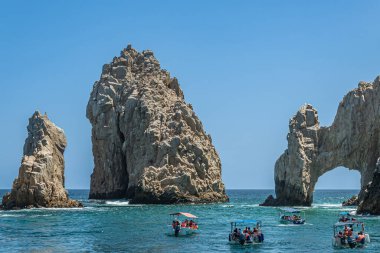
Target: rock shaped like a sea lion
<point>148,144</point>
<point>40,182</point>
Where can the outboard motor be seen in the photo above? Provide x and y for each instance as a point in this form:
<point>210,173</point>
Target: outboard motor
<point>241,239</point>
<point>176,230</point>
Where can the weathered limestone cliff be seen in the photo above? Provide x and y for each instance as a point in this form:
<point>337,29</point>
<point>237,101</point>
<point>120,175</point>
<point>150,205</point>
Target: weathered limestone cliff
<point>370,195</point>
<point>40,182</point>
<point>352,141</point>
<point>148,144</point>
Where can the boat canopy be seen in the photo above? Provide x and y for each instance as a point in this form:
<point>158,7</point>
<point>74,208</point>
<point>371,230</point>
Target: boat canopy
<point>341,224</point>
<point>290,210</point>
<point>246,221</point>
<point>344,213</point>
<point>188,215</point>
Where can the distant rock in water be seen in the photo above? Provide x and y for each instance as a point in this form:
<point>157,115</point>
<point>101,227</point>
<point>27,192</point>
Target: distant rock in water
<point>352,141</point>
<point>148,144</point>
<point>40,182</point>
<point>353,201</point>
<point>370,195</point>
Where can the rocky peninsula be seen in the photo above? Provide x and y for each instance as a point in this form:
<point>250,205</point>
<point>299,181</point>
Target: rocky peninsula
<point>40,182</point>
<point>148,144</point>
<point>352,141</point>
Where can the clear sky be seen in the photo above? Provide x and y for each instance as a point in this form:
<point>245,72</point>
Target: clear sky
<point>245,66</point>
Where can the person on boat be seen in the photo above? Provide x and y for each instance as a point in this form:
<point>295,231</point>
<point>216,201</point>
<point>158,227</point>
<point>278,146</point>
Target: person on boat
<point>360,238</point>
<point>350,231</point>
<point>174,224</point>
<point>184,223</point>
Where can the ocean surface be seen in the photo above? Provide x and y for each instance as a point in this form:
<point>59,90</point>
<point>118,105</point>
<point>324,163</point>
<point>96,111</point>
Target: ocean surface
<point>117,226</point>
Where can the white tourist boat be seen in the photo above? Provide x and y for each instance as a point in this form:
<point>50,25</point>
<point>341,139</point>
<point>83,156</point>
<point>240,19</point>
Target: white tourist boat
<point>349,234</point>
<point>292,216</point>
<point>182,224</point>
<point>246,232</point>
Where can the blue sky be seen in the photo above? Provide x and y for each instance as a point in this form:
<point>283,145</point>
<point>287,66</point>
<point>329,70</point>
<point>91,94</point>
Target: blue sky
<point>245,66</point>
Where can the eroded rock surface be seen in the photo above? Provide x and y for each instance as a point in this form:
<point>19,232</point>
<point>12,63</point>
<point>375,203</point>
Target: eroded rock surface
<point>370,195</point>
<point>352,141</point>
<point>148,144</point>
<point>40,182</point>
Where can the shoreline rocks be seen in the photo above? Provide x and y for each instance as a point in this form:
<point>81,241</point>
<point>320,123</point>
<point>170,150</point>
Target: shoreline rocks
<point>148,144</point>
<point>40,182</point>
<point>353,201</point>
<point>352,141</point>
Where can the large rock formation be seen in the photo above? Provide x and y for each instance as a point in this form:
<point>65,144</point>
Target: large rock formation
<point>40,182</point>
<point>352,141</point>
<point>148,144</point>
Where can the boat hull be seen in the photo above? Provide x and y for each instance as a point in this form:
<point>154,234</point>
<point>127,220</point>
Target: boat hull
<point>343,243</point>
<point>183,231</point>
<point>242,240</point>
<point>295,222</point>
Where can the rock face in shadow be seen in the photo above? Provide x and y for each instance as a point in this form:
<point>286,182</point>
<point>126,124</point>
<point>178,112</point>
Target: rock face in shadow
<point>370,195</point>
<point>148,144</point>
<point>352,141</point>
<point>40,182</point>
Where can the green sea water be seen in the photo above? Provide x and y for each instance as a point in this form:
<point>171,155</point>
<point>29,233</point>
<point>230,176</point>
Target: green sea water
<point>117,226</point>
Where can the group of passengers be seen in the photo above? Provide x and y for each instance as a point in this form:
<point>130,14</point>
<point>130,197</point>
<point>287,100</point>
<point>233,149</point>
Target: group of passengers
<point>185,224</point>
<point>291,217</point>
<point>248,235</point>
<point>346,237</point>
<point>346,219</point>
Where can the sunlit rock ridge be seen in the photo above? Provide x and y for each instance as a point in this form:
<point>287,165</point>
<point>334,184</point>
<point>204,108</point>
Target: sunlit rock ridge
<point>41,180</point>
<point>352,141</point>
<point>148,144</point>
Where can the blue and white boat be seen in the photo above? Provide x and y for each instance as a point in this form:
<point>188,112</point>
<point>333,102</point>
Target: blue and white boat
<point>246,232</point>
<point>292,216</point>
<point>346,217</point>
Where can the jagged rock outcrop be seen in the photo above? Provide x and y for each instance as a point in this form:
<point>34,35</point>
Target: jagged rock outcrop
<point>40,182</point>
<point>148,144</point>
<point>352,141</point>
<point>353,201</point>
<point>370,196</point>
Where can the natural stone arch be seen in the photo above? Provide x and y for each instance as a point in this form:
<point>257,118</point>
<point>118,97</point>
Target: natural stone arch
<point>352,141</point>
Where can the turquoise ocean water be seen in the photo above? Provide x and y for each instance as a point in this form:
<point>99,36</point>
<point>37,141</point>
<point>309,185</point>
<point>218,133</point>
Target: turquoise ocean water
<point>116,226</point>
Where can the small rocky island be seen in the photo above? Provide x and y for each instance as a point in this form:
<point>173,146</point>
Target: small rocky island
<point>40,182</point>
<point>352,141</point>
<point>148,144</point>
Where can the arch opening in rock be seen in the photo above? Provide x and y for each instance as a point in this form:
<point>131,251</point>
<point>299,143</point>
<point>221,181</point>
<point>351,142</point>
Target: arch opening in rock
<point>352,141</point>
<point>339,178</point>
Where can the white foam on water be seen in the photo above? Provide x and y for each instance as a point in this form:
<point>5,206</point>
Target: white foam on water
<point>327,205</point>
<point>254,205</point>
<point>227,205</point>
<point>12,215</point>
<point>118,203</point>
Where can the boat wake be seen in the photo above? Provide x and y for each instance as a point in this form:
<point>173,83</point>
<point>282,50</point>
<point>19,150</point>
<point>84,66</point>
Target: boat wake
<point>327,205</point>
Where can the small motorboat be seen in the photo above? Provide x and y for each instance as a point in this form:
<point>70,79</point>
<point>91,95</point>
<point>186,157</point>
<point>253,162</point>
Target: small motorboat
<point>346,217</point>
<point>182,224</point>
<point>246,232</point>
<point>292,216</point>
<point>350,234</point>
